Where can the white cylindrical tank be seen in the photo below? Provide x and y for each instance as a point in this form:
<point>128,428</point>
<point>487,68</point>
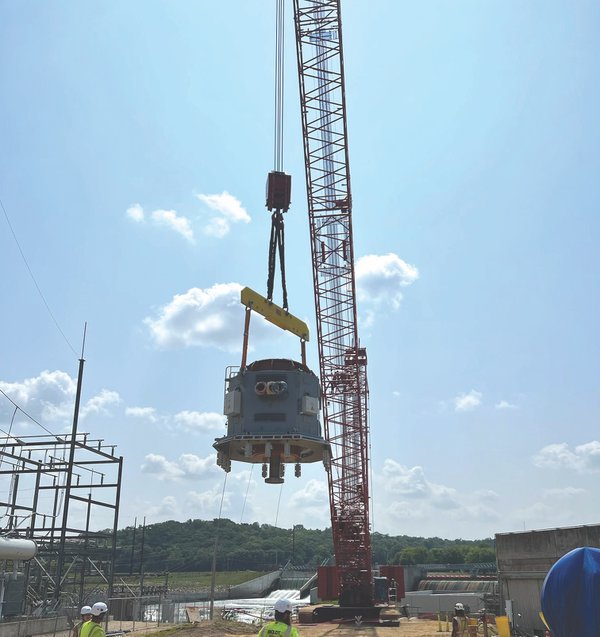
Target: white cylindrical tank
<point>16,548</point>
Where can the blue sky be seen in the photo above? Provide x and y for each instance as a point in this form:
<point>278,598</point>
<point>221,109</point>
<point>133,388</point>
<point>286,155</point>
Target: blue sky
<point>136,139</point>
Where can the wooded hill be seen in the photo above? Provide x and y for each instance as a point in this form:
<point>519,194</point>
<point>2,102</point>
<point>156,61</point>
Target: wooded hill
<point>188,546</point>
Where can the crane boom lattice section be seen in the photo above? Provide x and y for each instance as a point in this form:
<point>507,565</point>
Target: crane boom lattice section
<point>342,360</point>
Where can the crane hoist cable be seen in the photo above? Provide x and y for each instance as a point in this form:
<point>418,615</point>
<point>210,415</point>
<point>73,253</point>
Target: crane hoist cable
<point>278,183</point>
<point>279,86</point>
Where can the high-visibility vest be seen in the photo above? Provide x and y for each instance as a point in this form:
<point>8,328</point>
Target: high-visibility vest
<point>91,629</point>
<point>461,624</point>
<point>277,629</point>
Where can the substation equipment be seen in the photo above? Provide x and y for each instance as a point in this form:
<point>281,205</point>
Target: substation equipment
<point>56,486</point>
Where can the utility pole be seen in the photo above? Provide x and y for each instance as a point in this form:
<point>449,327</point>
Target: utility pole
<point>142,559</point>
<point>132,547</point>
<point>69,477</point>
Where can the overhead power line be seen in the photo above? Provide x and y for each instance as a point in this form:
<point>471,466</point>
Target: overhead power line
<point>26,414</point>
<point>34,280</point>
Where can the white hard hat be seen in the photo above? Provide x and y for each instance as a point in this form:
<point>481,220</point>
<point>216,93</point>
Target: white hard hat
<point>98,608</point>
<point>459,606</point>
<point>283,606</point>
<point>85,610</point>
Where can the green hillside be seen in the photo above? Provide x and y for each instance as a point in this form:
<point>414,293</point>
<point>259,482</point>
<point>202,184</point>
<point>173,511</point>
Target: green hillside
<point>188,546</point>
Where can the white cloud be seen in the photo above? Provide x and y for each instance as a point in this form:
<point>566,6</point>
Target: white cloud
<point>409,495</point>
<point>229,207</point>
<point>312,500</point>
<point>314,493</point>
<point>548,514</point>
<point>162,468</point>
<point>564,493</point>
<point>503,404</point>
<point>135,212</point>
<point>201,422</point>
<point>148,413</point>
<point>188,466</point>
<point>170,219</point>
<point>196,467</point>
<point>167,218</point>
<point>188,421</point>
<point>166,509</point>
<point>99,404</point>
<point>50,398</point>
<point>217,227</point>
<point>412,484</point>
<point>487,495</point>
<point>208,502</point>
<point>168,506</point>
<point>47,388</point>
<point>205,317</point>
<point>584,458</point>
<point>467,402</point>
<point>379,279</point>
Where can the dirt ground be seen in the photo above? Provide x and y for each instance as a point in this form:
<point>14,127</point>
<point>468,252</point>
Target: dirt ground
<point>408,628</point>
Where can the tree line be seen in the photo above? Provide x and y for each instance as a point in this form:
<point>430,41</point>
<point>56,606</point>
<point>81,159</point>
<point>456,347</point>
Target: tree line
<point>189,546</point>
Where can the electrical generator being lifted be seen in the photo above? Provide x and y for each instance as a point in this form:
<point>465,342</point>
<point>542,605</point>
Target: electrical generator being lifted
<point>272,405</point>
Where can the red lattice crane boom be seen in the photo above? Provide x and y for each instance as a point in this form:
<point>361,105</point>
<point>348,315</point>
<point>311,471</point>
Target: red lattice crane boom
<point>343,363</point>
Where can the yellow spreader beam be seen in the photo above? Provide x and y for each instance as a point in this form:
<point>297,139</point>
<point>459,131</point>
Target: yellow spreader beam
<point>274,314</point>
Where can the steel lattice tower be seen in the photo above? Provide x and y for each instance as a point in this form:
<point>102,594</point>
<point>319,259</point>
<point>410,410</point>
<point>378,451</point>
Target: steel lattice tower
<point>342,360</point>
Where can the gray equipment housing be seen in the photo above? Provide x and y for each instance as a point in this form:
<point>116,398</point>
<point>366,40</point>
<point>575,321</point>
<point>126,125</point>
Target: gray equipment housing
<point>272,408</point>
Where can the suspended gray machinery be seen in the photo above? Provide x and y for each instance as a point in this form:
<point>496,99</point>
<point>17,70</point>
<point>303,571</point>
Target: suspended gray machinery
<point>272,405</point>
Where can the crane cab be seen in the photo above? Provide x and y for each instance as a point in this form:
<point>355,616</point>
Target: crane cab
<point>272,408</point>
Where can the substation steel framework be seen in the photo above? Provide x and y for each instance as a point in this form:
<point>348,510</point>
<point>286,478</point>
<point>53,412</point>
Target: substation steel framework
<point>58,487</point>
<point>343,363</point>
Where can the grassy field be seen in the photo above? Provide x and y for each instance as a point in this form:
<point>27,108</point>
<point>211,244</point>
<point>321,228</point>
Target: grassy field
<point>194,580</point>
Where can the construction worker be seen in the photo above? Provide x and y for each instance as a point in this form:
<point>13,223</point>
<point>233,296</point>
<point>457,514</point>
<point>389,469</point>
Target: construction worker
<point>86,615</point>
<point>93,628</point>
<point>460,621</point>
<point>282,626</point>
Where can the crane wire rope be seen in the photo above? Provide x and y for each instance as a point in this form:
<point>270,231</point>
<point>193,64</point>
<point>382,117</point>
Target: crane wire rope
<point>34,279</point>
<point>277,238</point>
<point>278,503</point>
<point>246,496</point>
<point>279,84</point>
<point>214,558</point>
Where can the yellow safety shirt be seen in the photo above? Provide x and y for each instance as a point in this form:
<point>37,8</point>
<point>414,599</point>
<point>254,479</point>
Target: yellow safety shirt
<point>277,629</point>
<point>91,629</point>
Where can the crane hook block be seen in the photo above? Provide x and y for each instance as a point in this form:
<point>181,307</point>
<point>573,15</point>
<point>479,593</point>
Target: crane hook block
<point>279,191</point>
